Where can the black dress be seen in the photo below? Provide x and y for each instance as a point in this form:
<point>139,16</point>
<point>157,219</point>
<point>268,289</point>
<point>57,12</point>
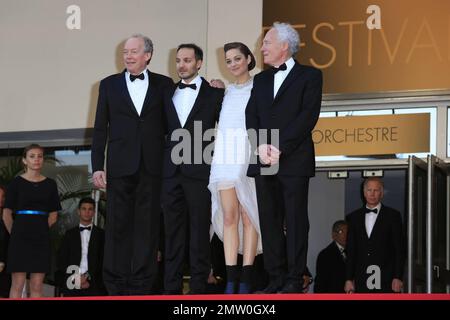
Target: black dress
<point>29,245</point>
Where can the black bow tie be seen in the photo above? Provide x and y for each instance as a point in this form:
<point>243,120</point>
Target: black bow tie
<point>372,210</point>
<point>85,228</point>
<point>182,85</point>
<point>282,67</point>
<point>140,76</point>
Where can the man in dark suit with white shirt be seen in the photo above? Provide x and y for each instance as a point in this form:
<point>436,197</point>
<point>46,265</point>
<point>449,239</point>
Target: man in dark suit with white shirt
<point>129,120</point>
<point>330,266</point>
<point>285,99</point>
<point>82,246</point>
<point>375,245</point>
<point>192,107</point>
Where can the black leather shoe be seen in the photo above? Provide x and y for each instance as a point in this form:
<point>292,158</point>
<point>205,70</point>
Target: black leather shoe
<point>196,291</point>
<point>291,287</point>
<point>172,292</point>
<point>271,288</point>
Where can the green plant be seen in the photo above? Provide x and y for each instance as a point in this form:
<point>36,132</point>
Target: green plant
<point>12,168</point>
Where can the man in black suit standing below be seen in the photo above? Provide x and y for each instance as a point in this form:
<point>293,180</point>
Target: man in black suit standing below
<point>191,108</point>
<point>82,246</point>
<point>130,120</point>
<point>330,266</point>
<point>285,99</point>
<point>375,246</point>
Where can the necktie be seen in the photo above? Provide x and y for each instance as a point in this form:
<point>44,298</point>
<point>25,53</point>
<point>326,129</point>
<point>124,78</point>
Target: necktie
<point>372,210</point>
<point>182,85</point>
<point>85,228</point>
<point>282,67</point>
<point>344,254</point>
<point>139,76</point>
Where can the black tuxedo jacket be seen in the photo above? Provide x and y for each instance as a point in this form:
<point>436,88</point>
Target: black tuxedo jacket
<point>70,254</point>
<point>131,137</point>
<point>330,270</point>
<point>384,248</point>
<point>294,111</point>
<point>206,110</point>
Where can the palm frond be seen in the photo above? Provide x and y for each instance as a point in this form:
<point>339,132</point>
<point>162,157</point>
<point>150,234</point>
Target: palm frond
<point>13,168</point>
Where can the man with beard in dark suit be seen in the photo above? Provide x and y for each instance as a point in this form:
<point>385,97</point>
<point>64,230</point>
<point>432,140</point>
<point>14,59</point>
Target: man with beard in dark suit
<point>285,99</point>
<point>129,120</point>
<point>191,107</point>
<point>82,246</point>
<point>330,266</point>
<point>375,245</point>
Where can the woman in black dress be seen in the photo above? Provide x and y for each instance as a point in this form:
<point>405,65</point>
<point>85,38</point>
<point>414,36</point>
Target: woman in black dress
<point>34,200</point>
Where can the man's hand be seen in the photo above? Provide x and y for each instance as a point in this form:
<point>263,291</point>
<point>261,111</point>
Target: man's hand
<point>307,280</point>
<point>274,155</point>
<point>84,282</point>
<point>217,83</point>
<point>99,179</point>
<point>264,153</point>
<point>349,286</point>
<point>397,285</point>
<point>2,266</point>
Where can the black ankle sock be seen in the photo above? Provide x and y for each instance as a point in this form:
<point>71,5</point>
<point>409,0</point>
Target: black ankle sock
<point>232,273</point>
<point>246,276</point>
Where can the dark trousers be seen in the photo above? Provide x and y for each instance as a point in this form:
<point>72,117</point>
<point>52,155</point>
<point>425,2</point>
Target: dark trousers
<point>132,233</point>
<point>5,284</point>
<point>283,205</point>
<point>186,204</point>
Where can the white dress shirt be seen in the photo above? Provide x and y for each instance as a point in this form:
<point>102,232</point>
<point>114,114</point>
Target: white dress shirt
<point>184,99</point>
<point>85,237</point>
<point>371,217</point>
<point>281,75</point>
<point>137,90</point>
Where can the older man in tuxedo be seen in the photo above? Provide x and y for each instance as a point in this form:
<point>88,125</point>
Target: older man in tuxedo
<point>129,120</point>
<point>375,245</point>
<point>285,100</point>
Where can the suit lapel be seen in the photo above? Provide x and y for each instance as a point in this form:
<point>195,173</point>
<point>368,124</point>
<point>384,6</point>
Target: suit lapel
<point>78,245</point>
<point>151,88</point>
<point>122,88</point>
<point>378,222</point>
<point>199,102</point>
<point>362,223</point>
<point>292,75</point>
<point>92,241</point>
<point>338,252</point>
<point>171,110</point>
<point>268,87</point>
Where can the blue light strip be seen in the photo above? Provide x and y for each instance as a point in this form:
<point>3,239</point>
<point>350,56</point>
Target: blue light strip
<point>31,212</point>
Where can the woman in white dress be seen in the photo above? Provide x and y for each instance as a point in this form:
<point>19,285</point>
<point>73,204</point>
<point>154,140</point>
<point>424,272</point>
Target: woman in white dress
<point>233,195</point>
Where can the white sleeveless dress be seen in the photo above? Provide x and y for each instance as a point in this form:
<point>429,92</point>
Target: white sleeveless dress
<point>230,161</point>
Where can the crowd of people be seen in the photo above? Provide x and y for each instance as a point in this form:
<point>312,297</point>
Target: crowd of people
<point>169,189</point>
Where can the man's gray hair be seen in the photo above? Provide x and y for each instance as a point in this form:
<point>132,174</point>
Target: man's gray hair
<point>286,33</point>
<point>148,44</point>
